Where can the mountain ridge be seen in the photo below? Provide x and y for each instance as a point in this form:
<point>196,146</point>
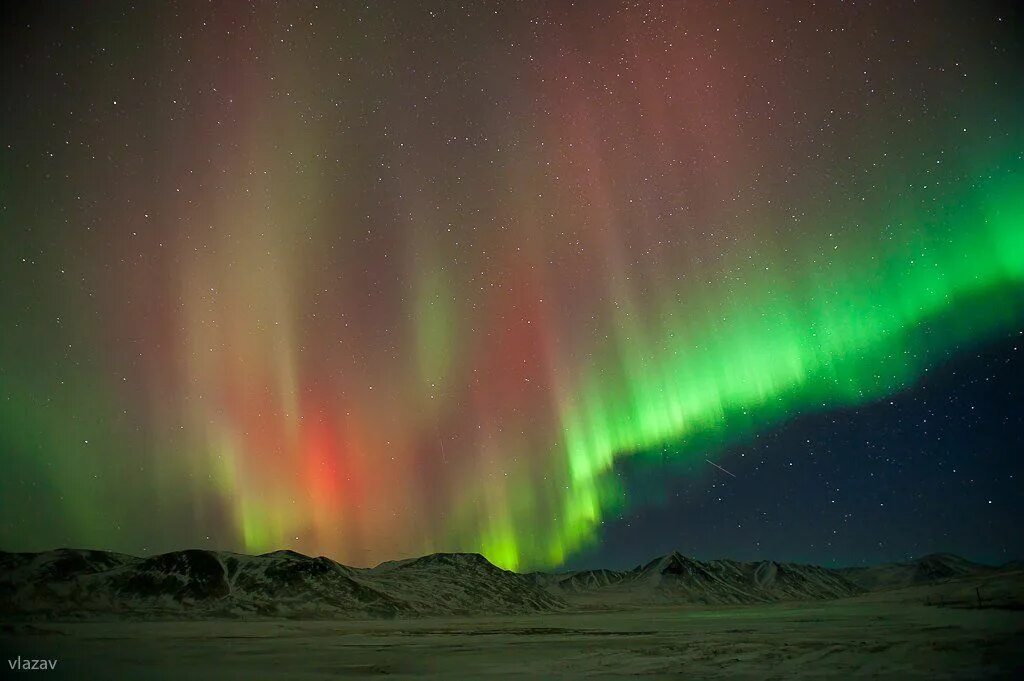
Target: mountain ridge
<point>201,583</point>
<point>676,578</point>
<point>926,569</point>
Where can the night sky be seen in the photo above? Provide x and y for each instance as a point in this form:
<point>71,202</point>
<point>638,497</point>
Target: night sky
<point>569,284</point>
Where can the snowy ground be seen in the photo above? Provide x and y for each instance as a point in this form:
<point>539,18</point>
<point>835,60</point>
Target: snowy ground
<point>853,637</point>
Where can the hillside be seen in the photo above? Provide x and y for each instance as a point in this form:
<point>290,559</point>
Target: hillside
<point>934,567</point>
<point>196,584</point>
<point>675,578</point>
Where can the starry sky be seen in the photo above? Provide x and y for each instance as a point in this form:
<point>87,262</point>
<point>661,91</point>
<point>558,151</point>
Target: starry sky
<point>568,284</point>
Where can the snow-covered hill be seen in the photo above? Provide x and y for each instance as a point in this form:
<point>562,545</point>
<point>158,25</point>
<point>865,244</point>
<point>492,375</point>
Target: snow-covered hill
<point>461,583</point>
<point>928,569</point>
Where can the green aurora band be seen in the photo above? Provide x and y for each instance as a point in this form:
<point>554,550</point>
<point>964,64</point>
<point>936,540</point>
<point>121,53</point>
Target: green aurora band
<point>847,327</point>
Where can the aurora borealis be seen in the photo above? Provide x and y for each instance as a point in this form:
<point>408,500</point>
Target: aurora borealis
<point>374,281</point>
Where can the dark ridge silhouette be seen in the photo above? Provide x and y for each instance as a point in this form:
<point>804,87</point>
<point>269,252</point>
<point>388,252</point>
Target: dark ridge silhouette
<point>195,583</point>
